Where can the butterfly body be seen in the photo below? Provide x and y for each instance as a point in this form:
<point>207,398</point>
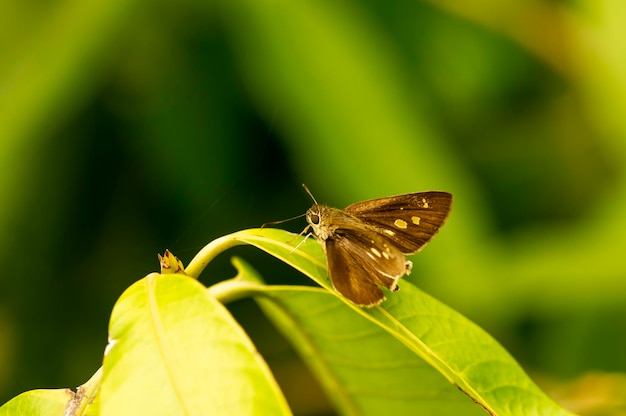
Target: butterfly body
<point>366,243</point>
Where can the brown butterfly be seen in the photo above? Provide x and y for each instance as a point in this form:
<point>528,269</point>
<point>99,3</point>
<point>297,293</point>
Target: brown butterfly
<point>366,243</point>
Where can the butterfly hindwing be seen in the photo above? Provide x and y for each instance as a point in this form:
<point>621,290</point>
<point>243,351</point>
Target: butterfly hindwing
<point>384,262</point>
<point>357,271</point>
<point>349,281</point>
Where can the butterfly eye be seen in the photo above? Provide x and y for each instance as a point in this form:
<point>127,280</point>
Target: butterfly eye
<point>314,218</point>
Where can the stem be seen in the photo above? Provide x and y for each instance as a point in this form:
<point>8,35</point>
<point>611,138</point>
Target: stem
<point>233,289</point>
<point>209,252</point>
<point>84,395</point>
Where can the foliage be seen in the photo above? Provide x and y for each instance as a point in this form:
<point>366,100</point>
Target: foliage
<point>127,127</point>
<point>173,349</point>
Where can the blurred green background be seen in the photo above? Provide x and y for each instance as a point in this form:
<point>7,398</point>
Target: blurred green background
<point>128,127</point>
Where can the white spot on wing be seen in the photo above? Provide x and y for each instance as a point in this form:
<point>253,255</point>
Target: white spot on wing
<point>400,224</point>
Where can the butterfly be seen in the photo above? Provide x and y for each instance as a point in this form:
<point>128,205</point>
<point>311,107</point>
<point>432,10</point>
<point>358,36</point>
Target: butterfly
<point>367,242</point>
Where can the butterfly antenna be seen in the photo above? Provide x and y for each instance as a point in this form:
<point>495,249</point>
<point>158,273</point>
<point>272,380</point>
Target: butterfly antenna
<point>309,192</point>
<point>282,221</point>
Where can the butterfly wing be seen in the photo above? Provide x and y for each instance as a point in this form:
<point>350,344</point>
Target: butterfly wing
<point>408,221</point>
<point>359,263</point>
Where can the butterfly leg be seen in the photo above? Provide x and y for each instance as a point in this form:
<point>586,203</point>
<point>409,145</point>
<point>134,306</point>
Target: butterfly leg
<point>306,237</point>
<point>409,266</point>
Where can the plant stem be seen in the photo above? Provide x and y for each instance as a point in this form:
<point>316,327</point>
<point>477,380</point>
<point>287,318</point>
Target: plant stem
<point>233,289</point>
<point>209,252</point>
<point>84,395</point>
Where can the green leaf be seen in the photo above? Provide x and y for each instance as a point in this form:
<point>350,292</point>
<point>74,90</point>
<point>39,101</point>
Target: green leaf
<point>175,350</point>
<point>38,402</point>
<point>452,345</point>
<point>363,369</point>
<point>306,256</point>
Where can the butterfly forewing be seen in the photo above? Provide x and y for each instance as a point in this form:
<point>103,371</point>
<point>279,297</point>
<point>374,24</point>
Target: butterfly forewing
<point>408,221</point>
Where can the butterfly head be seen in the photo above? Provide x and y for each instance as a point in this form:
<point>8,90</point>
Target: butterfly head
<point>317,217</point>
